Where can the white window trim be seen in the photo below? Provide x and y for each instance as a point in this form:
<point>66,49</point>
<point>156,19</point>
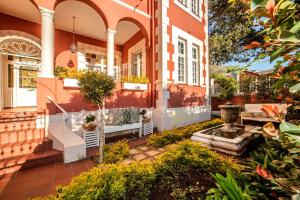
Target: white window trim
<point>185,69</point>
<point>197,60</point>
<point>190,41</point>
<point>137,48</point>
<point>188,9</point>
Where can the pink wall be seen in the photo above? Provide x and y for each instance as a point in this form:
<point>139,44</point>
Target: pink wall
<point>130,43</point>
<point>71,100</point>
<point>182,95</point>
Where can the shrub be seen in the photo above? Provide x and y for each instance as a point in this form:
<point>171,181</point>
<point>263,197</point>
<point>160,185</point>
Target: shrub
<point>135,79</point>
<point>177,134</point>
<point>116,152</point>
<point>137,181</point>
<point>67,72</point>
<point>227,87</point>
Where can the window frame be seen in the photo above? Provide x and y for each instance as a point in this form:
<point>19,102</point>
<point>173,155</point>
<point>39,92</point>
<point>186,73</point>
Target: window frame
<point>195,64</point>
<point>183,56</point>
<point>195,5</point>
<point>189,10</point>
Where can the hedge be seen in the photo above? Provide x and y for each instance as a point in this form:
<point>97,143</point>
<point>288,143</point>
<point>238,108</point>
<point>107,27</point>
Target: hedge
<point>136,181</point>
<point>177,134</point>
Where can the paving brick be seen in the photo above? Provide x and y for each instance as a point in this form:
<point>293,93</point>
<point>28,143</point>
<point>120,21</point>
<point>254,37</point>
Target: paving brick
<point>133,151</point>
<point>161,149</point>
<point>143,148</point>
<point>127,161</point>
<point>152,153</point>
<point>139,157</point>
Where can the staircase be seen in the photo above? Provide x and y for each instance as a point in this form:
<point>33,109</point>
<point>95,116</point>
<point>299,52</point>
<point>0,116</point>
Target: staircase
<point>23,142</point>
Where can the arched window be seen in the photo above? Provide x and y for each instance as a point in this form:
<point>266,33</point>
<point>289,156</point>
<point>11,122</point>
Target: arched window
<point>19,46</point>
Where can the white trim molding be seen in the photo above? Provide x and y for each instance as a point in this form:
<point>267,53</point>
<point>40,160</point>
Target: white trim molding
<point>191,41</point>
<point>125,5</point>
<point>163,94</point>
<point>188,8</point>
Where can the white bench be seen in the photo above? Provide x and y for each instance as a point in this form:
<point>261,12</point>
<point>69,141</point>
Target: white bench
<point>258,115</point>
<point>77,119</point>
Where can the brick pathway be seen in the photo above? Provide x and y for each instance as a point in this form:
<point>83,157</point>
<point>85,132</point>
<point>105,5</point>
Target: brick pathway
<point>42,181</point>
<point>142,152</point>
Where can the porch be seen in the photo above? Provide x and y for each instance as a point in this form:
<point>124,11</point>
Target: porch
<point>82,37</point>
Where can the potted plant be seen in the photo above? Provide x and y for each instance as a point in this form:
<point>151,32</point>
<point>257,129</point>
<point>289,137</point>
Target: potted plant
<point>89,124</point>
<point>227,87</point>
<point>95,87</point>
<point>135,82</point>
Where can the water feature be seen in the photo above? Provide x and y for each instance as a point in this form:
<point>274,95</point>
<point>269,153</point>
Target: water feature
<point>232,141</point>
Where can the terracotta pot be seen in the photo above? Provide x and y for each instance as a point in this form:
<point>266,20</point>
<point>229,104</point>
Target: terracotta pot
<point>89,127</point>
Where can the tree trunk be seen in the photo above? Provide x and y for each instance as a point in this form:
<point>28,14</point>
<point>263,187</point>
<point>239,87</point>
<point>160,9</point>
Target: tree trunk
<point>101,133</point>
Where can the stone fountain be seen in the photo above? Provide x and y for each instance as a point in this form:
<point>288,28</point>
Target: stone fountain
<point>228,138</point>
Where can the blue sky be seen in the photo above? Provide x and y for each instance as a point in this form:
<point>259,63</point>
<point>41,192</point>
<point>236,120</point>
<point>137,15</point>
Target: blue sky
<point>257,66</point>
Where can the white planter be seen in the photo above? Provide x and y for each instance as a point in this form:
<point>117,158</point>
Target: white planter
<point>135,86</point>
<point>70,82</point>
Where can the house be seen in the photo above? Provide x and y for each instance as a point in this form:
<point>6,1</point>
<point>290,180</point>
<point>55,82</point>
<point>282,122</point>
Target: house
<point>163,40</point>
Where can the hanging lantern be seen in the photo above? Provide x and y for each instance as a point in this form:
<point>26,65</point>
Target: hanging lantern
<point>70,63</point>
<point>73,46</point>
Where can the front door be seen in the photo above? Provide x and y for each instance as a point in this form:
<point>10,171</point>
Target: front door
<point>19,82</point>
<point>25,86</point>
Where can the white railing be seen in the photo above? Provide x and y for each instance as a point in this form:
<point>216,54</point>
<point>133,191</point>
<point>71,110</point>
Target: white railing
<point>65,114</point>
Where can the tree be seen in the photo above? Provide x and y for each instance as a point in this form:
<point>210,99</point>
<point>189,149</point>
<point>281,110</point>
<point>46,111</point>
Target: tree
<point>95,87</point>
<point>230,28</point>
<point>281,32</point>
<point>227,86</point>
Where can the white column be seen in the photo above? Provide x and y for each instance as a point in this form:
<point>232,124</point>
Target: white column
<point>47,43</point>
<point>110,51</point>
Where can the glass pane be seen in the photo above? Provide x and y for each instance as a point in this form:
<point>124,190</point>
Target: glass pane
<point>27,78</point>
<point>10,76</point>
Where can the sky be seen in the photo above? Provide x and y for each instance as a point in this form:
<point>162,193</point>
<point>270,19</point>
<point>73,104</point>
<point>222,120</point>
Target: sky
<point>257,66</point>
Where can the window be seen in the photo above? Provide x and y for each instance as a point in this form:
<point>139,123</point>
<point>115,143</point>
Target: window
<point>183,2</point>
<point>10,76</point>
<point>137,63</point>
<point>181,60</point>
<point>27,78</point>
<point>195,7</point>
<point>195,64</point>
<point>192,7</point>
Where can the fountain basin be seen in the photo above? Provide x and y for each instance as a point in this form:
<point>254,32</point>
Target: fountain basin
<point>236,145</point>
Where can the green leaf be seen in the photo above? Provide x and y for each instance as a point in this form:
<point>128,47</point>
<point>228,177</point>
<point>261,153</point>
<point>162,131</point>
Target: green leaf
<point>286,127</point>
<point>295,88</point>
<point>296,28</point>
<point>257,3</point>
<point>275,54</point>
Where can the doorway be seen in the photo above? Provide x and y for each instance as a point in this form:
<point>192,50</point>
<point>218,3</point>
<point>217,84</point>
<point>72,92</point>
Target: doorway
<point>19,81</point>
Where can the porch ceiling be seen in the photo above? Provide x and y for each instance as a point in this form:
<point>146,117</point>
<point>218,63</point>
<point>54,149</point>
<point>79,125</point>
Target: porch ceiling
<point>88,22</point>
<point>20,8</point>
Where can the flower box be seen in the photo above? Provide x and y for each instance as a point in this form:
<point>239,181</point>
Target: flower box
<point>70,82</point>
<point>135,86</point>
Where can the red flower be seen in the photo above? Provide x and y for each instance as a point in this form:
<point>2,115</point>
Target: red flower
<point>270,6</point>
<point>264,173</point>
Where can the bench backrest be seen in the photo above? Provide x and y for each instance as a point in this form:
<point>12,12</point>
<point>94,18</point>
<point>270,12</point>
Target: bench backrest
<point>257,107</point>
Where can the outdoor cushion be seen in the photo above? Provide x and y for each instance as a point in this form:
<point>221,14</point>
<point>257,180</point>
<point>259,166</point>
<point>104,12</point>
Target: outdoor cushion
<point>126,116</point>
<point>135,115</point>
<point>114,117</point>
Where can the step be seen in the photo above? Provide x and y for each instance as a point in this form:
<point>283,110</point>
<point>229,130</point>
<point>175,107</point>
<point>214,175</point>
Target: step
<point>21,148</point>
<point>22,135</point>
<point>20,114</point>
<point>29,161</point>
<point>17,126</point>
